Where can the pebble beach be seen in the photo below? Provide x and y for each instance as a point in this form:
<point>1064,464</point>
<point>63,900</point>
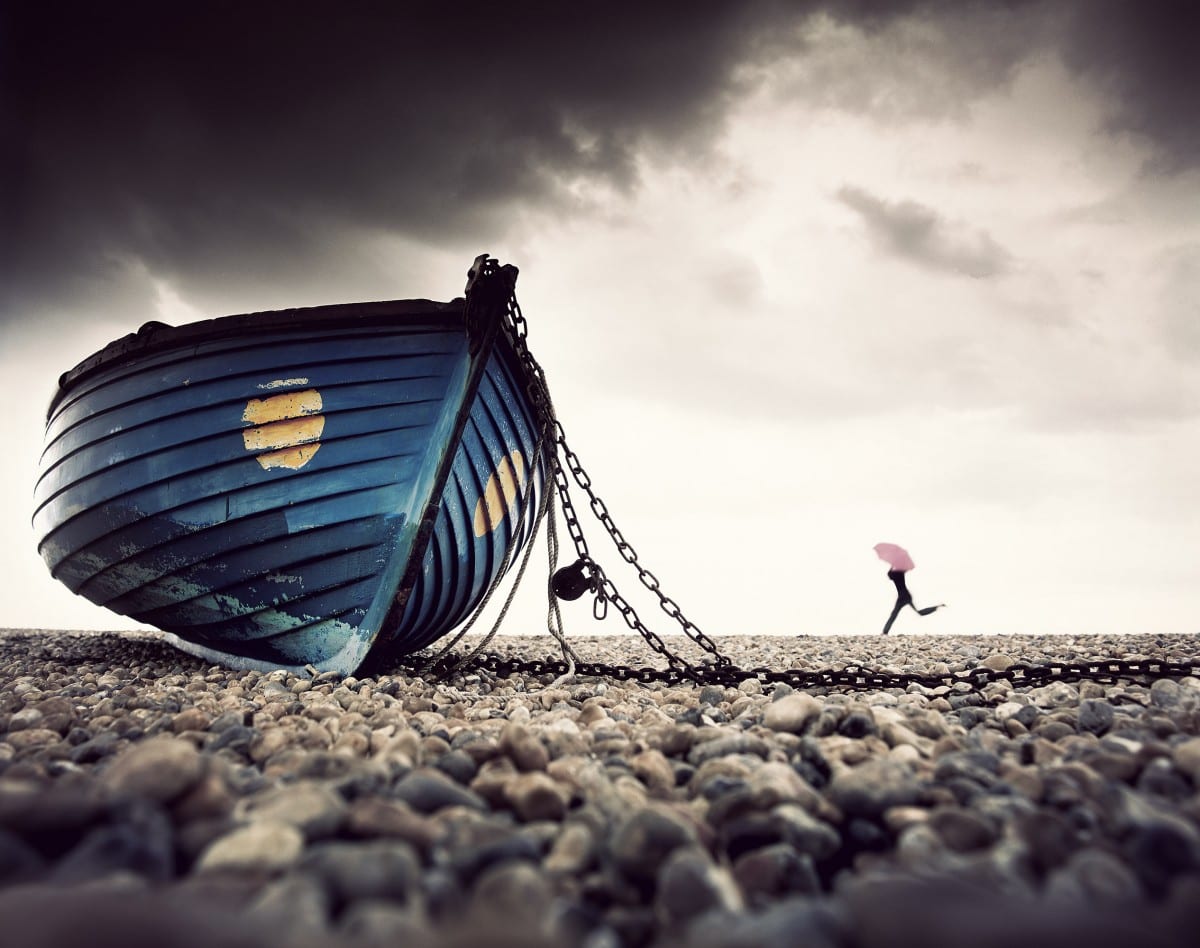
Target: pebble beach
<point>148,797</point>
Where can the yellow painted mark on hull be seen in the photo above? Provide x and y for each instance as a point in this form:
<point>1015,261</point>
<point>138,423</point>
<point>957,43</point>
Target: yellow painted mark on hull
<point>287,427</point>
<point>501,492</point>
<point>259,411</point>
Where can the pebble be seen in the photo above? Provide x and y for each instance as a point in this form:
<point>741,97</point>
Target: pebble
<point>258,847</point>
<point>158,769</point>
<point>873,787</point>
<point>791,713</point>
<point>389,809</point>
<point>428,790</point>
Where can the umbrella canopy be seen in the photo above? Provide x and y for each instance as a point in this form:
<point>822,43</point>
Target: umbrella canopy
<point>895,556</point>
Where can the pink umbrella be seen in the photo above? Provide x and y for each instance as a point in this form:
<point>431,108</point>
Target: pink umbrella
<point>895,556</point>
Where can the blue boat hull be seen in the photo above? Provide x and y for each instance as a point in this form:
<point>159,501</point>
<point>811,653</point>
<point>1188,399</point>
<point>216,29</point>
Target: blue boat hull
<point>289,489</point>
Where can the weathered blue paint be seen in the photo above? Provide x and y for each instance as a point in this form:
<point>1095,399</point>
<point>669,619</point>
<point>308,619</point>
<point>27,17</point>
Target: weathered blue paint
<point>152,500</point>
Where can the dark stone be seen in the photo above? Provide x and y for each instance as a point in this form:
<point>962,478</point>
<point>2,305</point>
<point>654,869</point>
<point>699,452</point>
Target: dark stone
<point>690,884</point>
<point>973,717</point>
<point>223,722</point>
<point>236,738</point>
<point>458,766</point>
<point>1161,779</point>
<point>428,790</point>
<point>1028,715</point>
<point>19,862</point>
<point>634,925</point>
<point>141,842</point>
<point>477,849</point>
<point>748,833</point>
<point>826,723</point>
<point>962,830</point>
<point>857,724</point>
<point>1159,853</point>
<point>874,786</point>
<point>712,694</point>
<point>811,756</point>
<point>766,873</point>
<point>979,767</point>
<point>95,748</point>
<point>1049,837</point>
<point>862,834</point>
<point>720,786</point>
<point>726,745</point>
<point>374,869</point>
<point>683,772</point>
<point>641,844</point>
<point>1095,716</point>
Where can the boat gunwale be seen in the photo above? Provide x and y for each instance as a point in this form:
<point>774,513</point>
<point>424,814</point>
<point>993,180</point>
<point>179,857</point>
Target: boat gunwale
<point>155,337</point>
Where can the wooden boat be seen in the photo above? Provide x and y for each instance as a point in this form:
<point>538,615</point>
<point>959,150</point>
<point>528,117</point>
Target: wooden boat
<point>302,487</point>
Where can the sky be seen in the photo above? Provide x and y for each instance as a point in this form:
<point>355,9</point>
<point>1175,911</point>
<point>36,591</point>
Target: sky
<point>803,276</point>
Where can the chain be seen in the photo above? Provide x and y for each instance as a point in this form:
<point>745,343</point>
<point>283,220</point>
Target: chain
<point>715,668</point>
<point>852,677</point>
<point>517,329</point>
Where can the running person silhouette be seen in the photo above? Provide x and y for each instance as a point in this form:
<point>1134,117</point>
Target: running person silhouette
<point>897,558</point>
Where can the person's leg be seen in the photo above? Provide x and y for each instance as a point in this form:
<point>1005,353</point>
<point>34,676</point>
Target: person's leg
<point>900,604</point>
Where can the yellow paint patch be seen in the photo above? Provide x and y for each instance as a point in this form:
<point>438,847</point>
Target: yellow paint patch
<point>500,493</point>
<point>288,405</point>
<point>292,458</point>
<point>287,428</point>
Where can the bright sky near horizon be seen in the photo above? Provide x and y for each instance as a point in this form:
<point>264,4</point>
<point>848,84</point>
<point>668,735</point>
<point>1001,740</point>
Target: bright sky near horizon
<point>804,277</point>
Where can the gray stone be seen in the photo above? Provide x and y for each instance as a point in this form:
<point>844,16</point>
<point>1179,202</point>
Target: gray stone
<point>712,694</point>
<point>874,786</point>
<point>644,840</point>
<point>1094,876</point>
<point>259,848</point>
<point>772,871</point>
<point>160,769</point>
<point>313,808</point>
<point>726,745</point>
<point>690,884</point>
<point>791,712</point>
<point>296,908</point>
<point>380,869</point>
<point>1095,716</point>
<point>427,790</point>
<point>962,830</point>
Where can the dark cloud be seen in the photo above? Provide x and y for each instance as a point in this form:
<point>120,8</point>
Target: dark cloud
<point>919,234</point>
<point>1146,55</point>
<point>240,141</point>
<point>232,137</point>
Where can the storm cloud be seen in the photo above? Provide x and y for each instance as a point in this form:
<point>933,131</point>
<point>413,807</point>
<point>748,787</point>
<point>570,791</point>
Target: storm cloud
<point>241,142</point>
<point>919,234</point>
